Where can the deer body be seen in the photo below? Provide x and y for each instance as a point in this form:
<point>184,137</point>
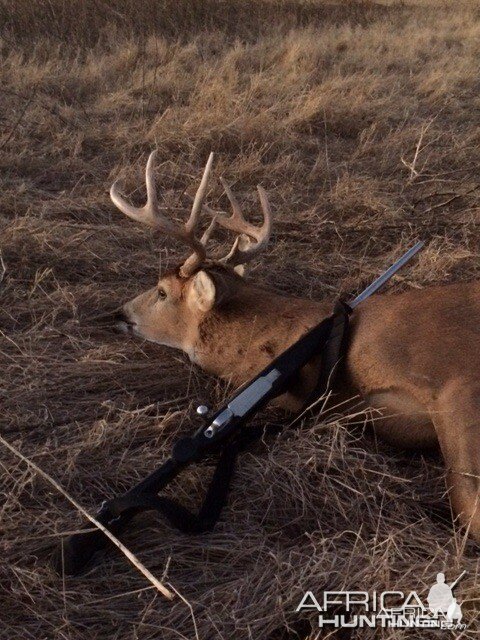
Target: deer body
<point>412,357</point>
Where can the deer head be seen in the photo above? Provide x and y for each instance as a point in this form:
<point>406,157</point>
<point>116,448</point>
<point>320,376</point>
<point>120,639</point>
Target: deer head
<point>173,312</point>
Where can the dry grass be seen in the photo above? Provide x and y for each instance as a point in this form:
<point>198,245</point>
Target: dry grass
<point>325,105</point>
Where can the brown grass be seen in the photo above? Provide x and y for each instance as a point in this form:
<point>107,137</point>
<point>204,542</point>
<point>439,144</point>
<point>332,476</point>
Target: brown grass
<point>319,102</point>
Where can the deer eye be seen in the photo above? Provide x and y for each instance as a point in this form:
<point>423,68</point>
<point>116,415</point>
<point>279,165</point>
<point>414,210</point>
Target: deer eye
<point>162,294</point>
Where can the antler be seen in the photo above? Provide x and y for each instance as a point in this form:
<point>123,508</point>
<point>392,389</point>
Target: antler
<point>244,249</point>
<point>151,215</point>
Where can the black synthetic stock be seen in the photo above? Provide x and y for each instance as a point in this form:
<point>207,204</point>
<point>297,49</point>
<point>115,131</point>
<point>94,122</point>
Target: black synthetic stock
<point>77,550</point>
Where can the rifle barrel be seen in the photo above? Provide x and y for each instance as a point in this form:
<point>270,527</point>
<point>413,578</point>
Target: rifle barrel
<point>386,275</point>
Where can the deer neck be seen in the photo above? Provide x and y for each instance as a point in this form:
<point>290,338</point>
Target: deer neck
<point>242,336</point>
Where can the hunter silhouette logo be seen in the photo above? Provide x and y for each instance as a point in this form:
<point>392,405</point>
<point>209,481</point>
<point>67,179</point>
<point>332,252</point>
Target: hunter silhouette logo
<point>388,609</point>
<point>441,600</point>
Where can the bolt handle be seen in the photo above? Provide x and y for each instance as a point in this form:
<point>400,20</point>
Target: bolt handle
<point>203,410</point>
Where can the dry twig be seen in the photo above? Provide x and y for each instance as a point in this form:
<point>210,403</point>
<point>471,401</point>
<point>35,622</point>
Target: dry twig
<point>126,552</point>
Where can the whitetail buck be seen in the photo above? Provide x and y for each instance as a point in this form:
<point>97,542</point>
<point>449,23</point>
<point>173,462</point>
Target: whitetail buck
<point>412,356</point>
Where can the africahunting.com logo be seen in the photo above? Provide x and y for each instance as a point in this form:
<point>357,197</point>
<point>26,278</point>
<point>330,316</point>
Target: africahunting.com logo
<point>388,609</point>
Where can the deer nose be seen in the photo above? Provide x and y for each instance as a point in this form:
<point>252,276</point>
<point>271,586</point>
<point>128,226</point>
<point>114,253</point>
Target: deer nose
<point>116,319</point>
<point>122,322</point>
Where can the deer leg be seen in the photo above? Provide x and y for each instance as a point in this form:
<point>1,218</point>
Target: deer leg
<point>456,417</point>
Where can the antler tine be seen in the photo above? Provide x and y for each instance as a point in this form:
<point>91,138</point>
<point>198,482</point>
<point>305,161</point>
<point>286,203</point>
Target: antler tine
<point>192,263</point>
<point>194,218</point>
<point>150,213</point>
<point>236,209</point>
<point>244,249</point>
<point>150,181</point>
<point>266,228</point>
<point>207,234</point>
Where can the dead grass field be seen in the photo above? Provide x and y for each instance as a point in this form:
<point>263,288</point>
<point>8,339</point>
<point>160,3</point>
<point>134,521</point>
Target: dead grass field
<point>362,122</point>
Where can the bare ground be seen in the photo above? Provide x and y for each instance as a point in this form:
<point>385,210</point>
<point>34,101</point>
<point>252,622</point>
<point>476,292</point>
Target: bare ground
<point>362,122</point>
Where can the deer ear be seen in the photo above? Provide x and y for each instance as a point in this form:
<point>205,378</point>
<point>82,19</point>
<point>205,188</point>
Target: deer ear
<point>202,292</point>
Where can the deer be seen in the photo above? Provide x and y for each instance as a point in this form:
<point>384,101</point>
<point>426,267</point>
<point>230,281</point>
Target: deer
<point>412,356</point>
